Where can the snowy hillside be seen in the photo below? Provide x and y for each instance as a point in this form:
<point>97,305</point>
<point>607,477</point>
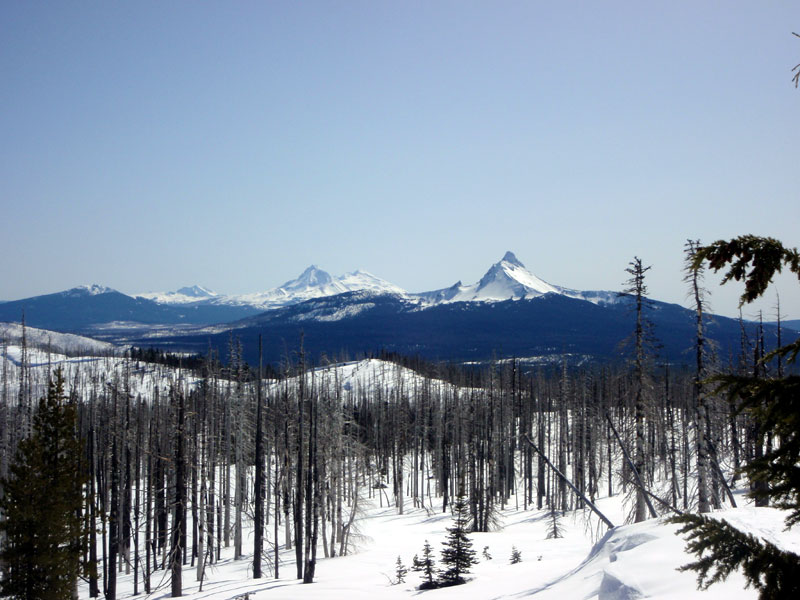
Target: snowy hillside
<point>370,376</point>
<point>63,343</point>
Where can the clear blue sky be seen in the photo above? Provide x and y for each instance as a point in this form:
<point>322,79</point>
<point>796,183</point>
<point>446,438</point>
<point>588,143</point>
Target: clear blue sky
<point>146,146</point>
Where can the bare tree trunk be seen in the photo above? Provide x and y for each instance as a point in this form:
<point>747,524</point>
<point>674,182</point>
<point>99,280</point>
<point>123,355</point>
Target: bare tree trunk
<point>178,519</point>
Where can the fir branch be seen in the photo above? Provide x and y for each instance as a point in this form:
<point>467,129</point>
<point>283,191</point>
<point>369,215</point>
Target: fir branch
<point>722,549</point>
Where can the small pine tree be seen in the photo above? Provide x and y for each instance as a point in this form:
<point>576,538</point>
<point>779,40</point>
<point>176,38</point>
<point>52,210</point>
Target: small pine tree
<point>426,565</point>
<point>516,555</point>
<point>42,506</point>
<point>457,555</point>
<point>400,572</point>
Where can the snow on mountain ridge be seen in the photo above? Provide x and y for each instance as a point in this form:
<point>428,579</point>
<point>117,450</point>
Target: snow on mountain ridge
<point>184,295</point>
<point>196,291</point>
<point>315,283</point>
<point>312,277</point>
<point>507,279</point>
<point>89,290</point>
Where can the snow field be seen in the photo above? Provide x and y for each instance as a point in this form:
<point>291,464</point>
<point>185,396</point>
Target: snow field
<point>628,562</point>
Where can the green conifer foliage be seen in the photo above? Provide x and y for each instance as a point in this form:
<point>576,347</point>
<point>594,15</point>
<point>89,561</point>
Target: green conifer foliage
<point>457,554</point>
<point>426,565</point>
<point>400,572</point>
<point>774,403</point>
<point>42,505</point>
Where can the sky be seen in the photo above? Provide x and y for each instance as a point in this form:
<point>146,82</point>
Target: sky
<point>147,146</point>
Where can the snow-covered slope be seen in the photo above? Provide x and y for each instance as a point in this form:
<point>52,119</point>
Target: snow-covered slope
<point>53,341</point>
<point>369,376</point>
<point>626,563</point>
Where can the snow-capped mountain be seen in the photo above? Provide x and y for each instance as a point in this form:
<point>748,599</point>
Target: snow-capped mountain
<point>184,295</point>
<point>88,290</point>
<point>508,279</point>
<point>310,284</point>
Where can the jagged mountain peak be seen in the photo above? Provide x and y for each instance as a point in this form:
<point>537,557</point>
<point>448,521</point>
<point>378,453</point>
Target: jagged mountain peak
<point>510,257</point>
<point>313,276</point>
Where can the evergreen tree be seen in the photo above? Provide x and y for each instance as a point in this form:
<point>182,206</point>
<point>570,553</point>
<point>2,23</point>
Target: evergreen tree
<point>42,505</point>
<point>400,571</point>
<point>516,555</point>
<point>457,554</point>
<point>426,565</point>
<point>773,404</point>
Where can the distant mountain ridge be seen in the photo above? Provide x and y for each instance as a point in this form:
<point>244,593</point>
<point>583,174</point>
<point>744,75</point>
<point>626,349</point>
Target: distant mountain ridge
<point>508,312</point>
<point>548,327</point>
<point>507,279</point>
<point>82,308</point>
<point>311,283</point>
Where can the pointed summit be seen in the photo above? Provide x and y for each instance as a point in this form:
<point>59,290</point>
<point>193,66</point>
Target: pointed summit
<point>313,276</point>
<point>510,258</point>
<point>507,279</point>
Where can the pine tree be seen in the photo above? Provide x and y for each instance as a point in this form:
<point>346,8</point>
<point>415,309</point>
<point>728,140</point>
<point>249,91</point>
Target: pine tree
<point>426,565</point>
<point>42,505</point>
<point>516,555</point>
<point>400,571</point>
<point>457,554</point>
<point>773,404</point>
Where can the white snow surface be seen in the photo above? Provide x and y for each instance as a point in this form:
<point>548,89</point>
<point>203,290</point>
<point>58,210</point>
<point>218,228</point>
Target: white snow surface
<point>587,563</point>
